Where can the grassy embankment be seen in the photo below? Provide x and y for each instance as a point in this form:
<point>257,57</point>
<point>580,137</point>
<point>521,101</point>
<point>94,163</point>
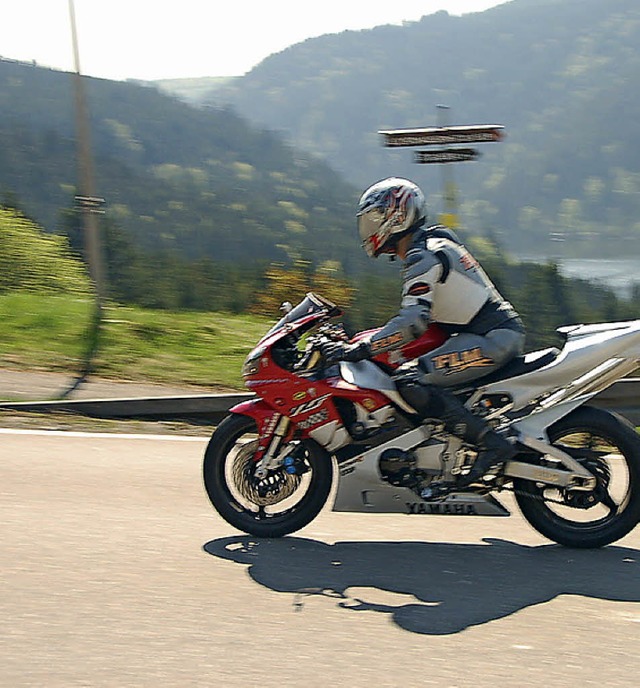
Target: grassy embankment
<point>48,333</point>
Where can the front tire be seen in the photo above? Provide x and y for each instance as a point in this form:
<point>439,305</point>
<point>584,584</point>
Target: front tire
<point>276,506</point>
<point>609,447</point>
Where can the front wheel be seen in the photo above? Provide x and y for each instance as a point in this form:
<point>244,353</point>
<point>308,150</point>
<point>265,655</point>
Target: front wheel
<point>609,447</point>
<point>275,505</point>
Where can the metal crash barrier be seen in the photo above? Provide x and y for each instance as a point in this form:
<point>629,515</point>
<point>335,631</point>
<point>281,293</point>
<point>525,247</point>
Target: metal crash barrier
<point>622,397</point>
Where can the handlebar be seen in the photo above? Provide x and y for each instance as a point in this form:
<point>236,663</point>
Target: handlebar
<point>312,356</point>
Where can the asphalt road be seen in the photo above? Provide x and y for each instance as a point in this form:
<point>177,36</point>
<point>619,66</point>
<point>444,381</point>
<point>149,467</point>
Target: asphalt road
<point>115,571</point>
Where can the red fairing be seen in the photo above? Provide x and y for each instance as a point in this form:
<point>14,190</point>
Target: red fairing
<point>256,408</point>
<point>431,339</point>
<point>309,401</point>
<point>294,403</point>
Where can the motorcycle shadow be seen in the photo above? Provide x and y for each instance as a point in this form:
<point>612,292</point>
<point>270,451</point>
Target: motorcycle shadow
<point>453,586</point>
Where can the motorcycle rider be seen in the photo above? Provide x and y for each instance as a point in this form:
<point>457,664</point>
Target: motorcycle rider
<point>443,284</point>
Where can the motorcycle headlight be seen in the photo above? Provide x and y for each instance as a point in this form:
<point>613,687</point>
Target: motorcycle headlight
<point>252,362</point>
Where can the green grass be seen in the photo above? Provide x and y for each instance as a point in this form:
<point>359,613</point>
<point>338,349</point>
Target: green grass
<point>42,331</point>
<point>48,333</point>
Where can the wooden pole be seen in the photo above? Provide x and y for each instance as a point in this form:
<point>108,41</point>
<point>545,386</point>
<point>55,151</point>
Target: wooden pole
<point>86,196</point>
<point>90,206</point>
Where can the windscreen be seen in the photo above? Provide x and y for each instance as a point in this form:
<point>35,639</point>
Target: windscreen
<point>312,303</point>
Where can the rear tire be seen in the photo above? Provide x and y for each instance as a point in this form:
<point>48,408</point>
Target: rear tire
<point>235,494</point>
<point>603,441</point>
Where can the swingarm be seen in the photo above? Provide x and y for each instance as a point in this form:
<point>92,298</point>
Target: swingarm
<point>573,475</point>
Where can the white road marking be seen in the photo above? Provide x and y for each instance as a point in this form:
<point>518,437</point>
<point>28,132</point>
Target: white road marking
<point>102,435</point>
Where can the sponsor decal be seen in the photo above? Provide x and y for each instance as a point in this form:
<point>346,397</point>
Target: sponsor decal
<point>545,476</point>
<point>441,509</point>
<point>468,262</point>
<point>349,466</point>
<point>267,429</point>
<point>457,361</point>
<point>299,395</point>
<point>308,406</point>
<point>387,342</point>
<point>256,383</point>
<point>396,357</point>
<point>369,404</point>
<point>314,419</point>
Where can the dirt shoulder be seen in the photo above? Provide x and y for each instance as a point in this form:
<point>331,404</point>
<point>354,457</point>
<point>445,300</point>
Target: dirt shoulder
<point>77,423</point>
<point>35,385</point>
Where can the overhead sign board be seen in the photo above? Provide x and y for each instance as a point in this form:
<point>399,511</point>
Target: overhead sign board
<point>445,155</point>
<point>476,133</point>
<point>91,204</point>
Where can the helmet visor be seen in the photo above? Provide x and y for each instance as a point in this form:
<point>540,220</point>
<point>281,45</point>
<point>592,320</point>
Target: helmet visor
<point>370,223</point>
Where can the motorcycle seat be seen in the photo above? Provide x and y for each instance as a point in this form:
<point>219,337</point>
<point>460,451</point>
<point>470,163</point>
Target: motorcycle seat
<point>527,363</point>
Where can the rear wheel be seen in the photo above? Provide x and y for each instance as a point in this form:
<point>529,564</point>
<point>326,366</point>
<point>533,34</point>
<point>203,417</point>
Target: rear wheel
<point>278,504</point>
<point>609,447</point>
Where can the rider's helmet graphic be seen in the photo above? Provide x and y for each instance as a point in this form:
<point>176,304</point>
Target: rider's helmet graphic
<point>387,211</point>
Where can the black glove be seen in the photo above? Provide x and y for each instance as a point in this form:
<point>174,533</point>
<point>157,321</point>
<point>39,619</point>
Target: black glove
<point>343,351</point>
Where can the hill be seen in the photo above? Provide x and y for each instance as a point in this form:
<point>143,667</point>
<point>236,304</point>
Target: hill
<point>562,75</point>
<point>190,90</point>
<point>198,181</point>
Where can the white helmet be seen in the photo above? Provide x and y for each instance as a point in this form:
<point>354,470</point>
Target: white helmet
<point>386,211</point>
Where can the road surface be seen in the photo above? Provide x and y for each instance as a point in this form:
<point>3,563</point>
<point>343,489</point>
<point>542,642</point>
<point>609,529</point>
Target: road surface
<point>116,572</point>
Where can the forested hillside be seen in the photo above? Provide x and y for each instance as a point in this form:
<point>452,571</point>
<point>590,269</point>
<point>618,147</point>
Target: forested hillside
<point>32,260</point>
<point>563,76</point>
<point>205,211</point>
<point>191,90</point>
<point>200,182</point>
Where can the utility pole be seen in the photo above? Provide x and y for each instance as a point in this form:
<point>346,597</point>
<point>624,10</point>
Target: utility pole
<point>90,207</point>
<point>449,217</point>
<point>86,198</point>
<point>446,135</point>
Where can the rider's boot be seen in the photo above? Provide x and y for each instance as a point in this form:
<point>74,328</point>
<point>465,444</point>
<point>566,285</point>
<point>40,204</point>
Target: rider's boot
<point>495,450</point>
<point>439,402</point>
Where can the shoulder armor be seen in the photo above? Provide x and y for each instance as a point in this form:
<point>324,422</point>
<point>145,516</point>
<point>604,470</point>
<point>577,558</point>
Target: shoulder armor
<point>442,232</point>
<point>421,261</point>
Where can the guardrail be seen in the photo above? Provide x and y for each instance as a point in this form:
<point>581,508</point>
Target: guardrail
<point>622,397</point>
<point>205,408</point>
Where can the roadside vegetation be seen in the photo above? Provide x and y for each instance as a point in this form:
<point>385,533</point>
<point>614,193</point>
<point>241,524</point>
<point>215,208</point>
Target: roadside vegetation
<point>177,323</point>
<point>47,332</point>
<point>46,307</point>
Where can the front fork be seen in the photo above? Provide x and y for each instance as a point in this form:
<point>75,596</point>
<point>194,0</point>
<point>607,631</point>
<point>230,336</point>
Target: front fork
<point>272,457</point>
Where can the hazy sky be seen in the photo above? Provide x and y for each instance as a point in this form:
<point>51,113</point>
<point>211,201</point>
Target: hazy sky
<point>151,39</point>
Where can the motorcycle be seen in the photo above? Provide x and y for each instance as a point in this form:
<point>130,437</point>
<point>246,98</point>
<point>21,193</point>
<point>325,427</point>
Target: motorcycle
<point>270,465</point>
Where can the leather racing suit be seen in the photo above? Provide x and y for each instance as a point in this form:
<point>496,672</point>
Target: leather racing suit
<point>444,284</point>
